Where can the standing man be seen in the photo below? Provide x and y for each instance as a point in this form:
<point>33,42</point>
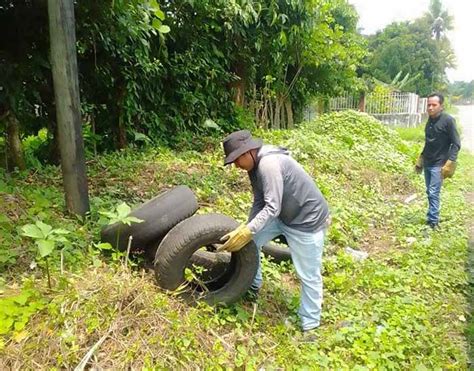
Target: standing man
<point>438,158</point>
<point>286,202</point>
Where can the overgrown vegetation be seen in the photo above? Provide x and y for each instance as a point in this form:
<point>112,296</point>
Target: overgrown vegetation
<point>405,307</point>
<point>165,71</point>
<point>420,50</point>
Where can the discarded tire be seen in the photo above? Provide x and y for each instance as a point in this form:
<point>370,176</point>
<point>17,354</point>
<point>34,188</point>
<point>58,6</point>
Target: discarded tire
<point>278,253</point>
<point>214,265</point>
<point>159,215</point>
<point>174,254</point>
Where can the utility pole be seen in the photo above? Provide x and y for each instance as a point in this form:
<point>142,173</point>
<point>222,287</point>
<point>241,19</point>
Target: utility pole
<point>66,91</point>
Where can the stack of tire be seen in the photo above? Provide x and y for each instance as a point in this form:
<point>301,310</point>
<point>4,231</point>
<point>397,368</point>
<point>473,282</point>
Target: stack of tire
<point>181,243</point>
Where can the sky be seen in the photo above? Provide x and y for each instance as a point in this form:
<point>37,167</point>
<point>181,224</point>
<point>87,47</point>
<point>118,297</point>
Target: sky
<point>374,15</point>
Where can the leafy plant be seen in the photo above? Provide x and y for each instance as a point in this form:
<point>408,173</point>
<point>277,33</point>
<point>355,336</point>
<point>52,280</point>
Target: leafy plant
<point>121,215</point>
<point>46,239</point>
<point>16,310</point>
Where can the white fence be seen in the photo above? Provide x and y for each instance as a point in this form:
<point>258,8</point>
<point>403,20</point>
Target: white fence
<point>395,108</point>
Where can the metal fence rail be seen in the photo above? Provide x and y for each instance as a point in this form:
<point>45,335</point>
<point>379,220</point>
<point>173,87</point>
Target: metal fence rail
<point>394,108</point>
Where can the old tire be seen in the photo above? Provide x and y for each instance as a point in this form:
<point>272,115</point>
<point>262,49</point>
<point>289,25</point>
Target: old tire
<point>215,264</point>
<point>277,253</point>
<point>159,215</point>
<point>174,253</point>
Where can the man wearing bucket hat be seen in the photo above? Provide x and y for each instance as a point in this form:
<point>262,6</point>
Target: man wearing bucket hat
<point>286,202</point>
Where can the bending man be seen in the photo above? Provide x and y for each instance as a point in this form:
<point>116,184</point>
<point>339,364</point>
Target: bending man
<point>286,202</point>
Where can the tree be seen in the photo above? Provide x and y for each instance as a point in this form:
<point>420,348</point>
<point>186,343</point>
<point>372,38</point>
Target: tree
<point>164,71</point>
<point>66,88</point>
<point>462,92</point>
<point>439,18</point>
<point>407,47</point>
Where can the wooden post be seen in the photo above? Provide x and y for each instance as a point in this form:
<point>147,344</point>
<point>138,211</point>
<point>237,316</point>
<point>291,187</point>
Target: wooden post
<point>66,91</point>
<point>15,156</point>
<point>362,102</point>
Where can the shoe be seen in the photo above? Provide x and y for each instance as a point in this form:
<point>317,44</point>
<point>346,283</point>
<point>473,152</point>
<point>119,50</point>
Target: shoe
<point>251,295</point>
<point>290,323</point>
<point>310,336</point>
<point>433,225</point>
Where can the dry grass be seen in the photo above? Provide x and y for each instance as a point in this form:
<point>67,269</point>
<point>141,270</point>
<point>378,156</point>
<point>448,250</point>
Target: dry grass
<point>119,319</point>
<point>125,310</point>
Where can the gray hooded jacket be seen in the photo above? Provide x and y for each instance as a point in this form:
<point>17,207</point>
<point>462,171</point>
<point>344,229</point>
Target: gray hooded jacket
<point>282,189</point>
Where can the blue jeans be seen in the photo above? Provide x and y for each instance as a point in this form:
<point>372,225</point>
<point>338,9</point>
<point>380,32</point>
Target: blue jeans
<point>306,252</point>
<point>433,181</point>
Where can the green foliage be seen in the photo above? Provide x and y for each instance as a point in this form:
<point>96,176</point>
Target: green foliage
<point>405,307</point>
<point>408,48</point>
<point>462,92</point>
<point>415,134</point>
<point>16,310</point>
<point>121,215</point>
<point>160,72</point>
<point>46,239</point>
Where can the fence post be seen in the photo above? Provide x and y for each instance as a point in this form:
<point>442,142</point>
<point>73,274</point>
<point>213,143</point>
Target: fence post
<point>362,102</point>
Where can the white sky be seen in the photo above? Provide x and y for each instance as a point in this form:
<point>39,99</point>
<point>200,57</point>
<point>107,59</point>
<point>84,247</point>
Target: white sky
<point>374,15</point>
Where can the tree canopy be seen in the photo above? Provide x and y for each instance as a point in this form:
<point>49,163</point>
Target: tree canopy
<point>419,48</point>
<point>162,71</point>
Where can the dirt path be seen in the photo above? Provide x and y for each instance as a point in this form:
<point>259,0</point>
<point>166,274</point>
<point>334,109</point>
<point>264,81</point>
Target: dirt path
<point>465,119</point>
<point>470,273</point>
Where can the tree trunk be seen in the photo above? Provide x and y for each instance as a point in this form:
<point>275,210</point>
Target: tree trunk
<point>276,114</point>
<point>289,114</point>
<point>239,86</point>
<point>121,132</point>
<point>362,102</point>
<point>15,156</point>
<point>54,152</point>
<point>66,91</point>
<point>270,113</point>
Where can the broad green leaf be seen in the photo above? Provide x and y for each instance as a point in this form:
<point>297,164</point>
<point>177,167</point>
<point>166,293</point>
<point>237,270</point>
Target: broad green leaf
<point>140,137</point>
<point>108,214</point>
<point>154,5</point>
<point>114,220</point>
<point>156,24</point>
<point>22,298</point>
<point>6,325</point>
<point>133,219</point>
<point>31,230</point>
<point>61,231</point>
<point>45,228</point>
<point>123,210</point>
<point>45,247</point>
<point>159,14</point>
<point>211,124</point>
<point>104,246</point>
<point>164,29</point>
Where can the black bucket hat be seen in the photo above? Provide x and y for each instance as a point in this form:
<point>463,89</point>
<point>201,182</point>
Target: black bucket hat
<point>238,143</point>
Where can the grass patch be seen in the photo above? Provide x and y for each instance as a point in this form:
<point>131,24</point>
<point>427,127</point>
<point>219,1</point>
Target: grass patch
<point>405,307</point>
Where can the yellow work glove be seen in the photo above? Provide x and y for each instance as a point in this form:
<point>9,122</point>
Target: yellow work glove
<point>419,164</point>
<point>236,239</point>
<point>447,170</point>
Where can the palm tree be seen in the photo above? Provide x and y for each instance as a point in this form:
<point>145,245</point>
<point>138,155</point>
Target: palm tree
<point>441,21</point>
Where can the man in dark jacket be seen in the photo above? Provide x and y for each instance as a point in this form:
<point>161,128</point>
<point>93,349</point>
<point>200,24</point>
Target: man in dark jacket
<point>286,202</point>
<point>438,158</point>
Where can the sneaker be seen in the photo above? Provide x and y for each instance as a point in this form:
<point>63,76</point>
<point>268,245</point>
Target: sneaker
<point>433,225</point>
<point>290,323</point>
<point>310,336</point>
<point>251,295</point>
